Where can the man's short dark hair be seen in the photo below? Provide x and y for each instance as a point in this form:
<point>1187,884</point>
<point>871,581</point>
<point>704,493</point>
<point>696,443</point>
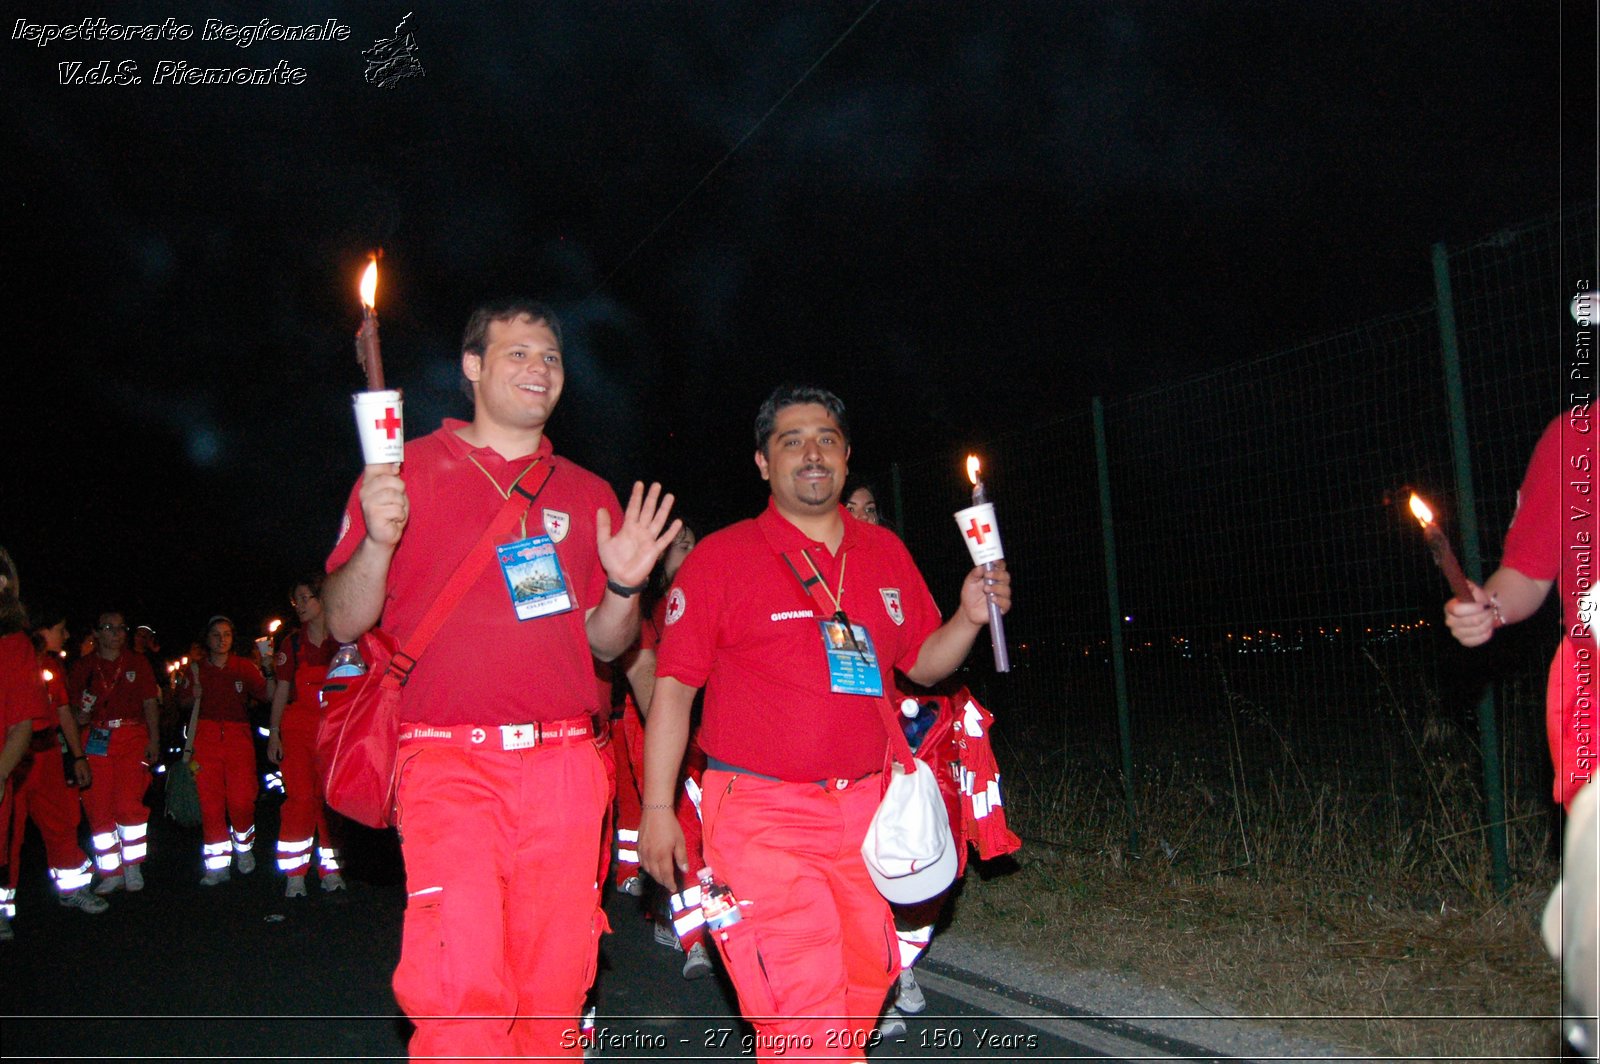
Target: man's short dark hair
<point>475,338</point>
<point>476,335</point>
<point>312,582</point>
<point>797,395</point>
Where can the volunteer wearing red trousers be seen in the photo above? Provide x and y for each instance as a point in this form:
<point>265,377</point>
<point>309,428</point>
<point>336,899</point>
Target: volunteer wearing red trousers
<point>24,703</point>
<point>221,752</point>
<point>1551,543</point>
<point>39,788</point>
<point>794,756</point>
<point>292,741</point>
<point>22,700</point>
<point>116,700</point>
<point>502,795</point>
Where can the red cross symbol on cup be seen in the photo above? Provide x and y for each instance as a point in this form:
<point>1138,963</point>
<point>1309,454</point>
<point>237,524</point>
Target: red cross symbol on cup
<point>388,422</point>
<point>976,532</point>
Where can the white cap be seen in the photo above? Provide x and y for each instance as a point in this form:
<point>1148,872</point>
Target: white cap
<point>909,850</point>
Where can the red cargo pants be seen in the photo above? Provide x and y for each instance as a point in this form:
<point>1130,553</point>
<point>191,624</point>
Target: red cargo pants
<point>503,918</point>
<point>815,952</point>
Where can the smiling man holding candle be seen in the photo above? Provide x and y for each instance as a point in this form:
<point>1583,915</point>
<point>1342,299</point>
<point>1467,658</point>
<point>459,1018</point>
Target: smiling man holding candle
<point>794,737</point>
<point>501,791</point>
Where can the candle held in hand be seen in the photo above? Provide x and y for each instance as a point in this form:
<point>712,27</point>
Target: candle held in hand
<point>368,353</point>
<point>1443,555</point>
<point>982,535</point>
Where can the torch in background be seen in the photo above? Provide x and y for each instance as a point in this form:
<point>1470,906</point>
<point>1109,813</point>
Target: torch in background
<point>264,643</point>
<point>1439,545</point>
<point>981,532</point>
<point>378,409</point>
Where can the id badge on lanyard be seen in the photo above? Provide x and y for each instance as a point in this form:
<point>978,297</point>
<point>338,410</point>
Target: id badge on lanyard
<point>534,576</point>
<point>852,661</point>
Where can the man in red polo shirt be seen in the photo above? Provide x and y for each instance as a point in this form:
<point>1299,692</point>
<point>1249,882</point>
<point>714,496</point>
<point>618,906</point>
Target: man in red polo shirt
<point>793,736</point>
<point>502,794</point>
<point>115,696</point>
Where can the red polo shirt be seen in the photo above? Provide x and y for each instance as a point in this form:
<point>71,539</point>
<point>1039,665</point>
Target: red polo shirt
<point>296,650</point>
<point>1553,534</point>
<point>739,623</point>
<point>121,687</point>
<point>22,692</point>
<point>224,689</point>
<point>485,666</point>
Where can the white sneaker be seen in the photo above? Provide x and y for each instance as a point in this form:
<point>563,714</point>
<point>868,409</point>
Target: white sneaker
<point>332,881</point>
<point>893,1025</point>
<point>86,900</point>
<point>910,1000</point>
<point>215,876</point>
<point>296,887</point>
<point>666,936</point>
<point>133,878</point>
<point>109,884</point>
<point>247,861</point>
<point>633,886</point>
<point>698,964</point>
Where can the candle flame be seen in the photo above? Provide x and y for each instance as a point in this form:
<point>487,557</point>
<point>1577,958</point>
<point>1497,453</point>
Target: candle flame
<point>274,626</point>
<point>369,285</point>
<point>972,468</point>
<point>1420,509</point>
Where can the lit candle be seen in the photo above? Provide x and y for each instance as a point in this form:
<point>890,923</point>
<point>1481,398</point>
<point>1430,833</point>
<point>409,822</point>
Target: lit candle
<point>379,412</point>
<point>368,355</point>
<point>982,535</point>
<point>1443,555</point>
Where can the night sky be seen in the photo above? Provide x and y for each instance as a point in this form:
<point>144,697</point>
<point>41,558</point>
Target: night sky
<point>963,217</point>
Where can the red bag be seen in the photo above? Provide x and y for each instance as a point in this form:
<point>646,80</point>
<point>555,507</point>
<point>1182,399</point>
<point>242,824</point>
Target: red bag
<point>359,732</point>
<point>358,737</point>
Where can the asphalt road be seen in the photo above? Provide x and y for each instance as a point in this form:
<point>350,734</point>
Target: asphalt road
<point>181,972</point>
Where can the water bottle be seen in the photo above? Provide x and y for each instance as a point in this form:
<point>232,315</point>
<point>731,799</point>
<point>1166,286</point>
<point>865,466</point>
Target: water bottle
<point>717,903</point>
<point>346,662</point>
<point>919,720</point>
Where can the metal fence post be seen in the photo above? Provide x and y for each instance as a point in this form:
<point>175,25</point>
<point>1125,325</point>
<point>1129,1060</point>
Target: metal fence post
<point>1467,520</point>
<point>1119,665</point>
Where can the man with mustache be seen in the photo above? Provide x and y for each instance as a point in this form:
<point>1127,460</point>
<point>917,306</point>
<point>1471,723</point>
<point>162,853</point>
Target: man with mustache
<point>794,747</point>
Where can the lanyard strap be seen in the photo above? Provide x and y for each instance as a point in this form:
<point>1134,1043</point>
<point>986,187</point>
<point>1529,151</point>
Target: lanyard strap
<point>477,559</point>
<point>818,588</point>
<point>505,493</point>
<point>824,597</point>
<point>108,687</point>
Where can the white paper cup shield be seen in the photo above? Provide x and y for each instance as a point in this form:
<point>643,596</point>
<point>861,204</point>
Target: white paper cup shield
<point>981,533</point>
<point>380,421</point>
<point>910,853</point>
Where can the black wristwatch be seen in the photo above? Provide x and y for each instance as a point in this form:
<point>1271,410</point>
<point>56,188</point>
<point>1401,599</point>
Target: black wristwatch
<point>624,590</point>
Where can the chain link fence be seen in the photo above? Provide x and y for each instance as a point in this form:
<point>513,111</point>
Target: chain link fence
<point>1280,615</point>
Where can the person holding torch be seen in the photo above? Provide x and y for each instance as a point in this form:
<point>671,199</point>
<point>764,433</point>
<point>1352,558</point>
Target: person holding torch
<point>793,731</point>
<point>1551,544</point>
<point>502,793</point>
